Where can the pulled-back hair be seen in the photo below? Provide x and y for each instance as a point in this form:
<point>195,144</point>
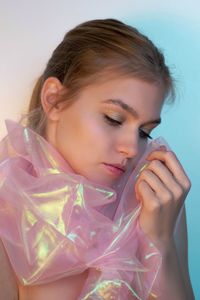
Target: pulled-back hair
<point>93,48</point>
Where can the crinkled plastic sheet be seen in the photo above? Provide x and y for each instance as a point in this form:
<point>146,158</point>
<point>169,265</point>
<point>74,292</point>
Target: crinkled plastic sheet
<point>54,223</point>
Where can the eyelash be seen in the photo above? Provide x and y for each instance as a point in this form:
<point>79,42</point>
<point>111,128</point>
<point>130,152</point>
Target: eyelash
<point>117,123</point>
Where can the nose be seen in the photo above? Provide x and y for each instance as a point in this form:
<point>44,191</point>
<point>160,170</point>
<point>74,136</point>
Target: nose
<point>128,145</point>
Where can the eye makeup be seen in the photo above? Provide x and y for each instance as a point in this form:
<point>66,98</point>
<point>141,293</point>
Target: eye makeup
<point>113,119</point>
<point>116,119</point>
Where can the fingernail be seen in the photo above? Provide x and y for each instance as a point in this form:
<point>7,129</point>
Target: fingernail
<point>162,148</point>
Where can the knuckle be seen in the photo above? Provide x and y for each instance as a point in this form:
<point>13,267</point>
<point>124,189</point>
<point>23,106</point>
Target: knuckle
<point>145,173</point>
<point>140,184</point>
<point>170,154</point>
<point>178,191</point>
<point>154,206</point>
<point>187,184</point>
<point>154,164</point>
<point>167,196</point>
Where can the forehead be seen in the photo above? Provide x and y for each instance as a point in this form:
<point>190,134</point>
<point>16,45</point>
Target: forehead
<point>143,96</point>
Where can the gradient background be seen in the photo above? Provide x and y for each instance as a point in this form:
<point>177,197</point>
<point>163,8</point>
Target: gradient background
<point>30,30</point>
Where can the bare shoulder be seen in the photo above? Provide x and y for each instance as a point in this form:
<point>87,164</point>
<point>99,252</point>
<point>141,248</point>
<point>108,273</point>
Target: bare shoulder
<point>8,284</point>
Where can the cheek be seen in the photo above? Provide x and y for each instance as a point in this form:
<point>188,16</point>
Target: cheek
<point>82,137</point>
<point>93,133</point>
<point>142,147</point>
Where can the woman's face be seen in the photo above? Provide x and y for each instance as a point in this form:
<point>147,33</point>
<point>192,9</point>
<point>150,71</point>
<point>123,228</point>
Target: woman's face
<point>106,128</point>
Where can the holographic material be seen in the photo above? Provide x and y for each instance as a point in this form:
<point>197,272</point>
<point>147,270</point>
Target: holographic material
<point>54,223</point>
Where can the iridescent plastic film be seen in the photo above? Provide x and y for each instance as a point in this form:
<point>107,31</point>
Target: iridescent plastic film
<point>54,223</point>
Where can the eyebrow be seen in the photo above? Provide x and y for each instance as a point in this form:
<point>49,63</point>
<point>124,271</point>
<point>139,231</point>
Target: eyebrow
<point>131,110</point>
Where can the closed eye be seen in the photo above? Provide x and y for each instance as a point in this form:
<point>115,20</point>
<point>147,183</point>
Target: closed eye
<point>144,135</point>
<point>115,122</point>
<point>112,122</point>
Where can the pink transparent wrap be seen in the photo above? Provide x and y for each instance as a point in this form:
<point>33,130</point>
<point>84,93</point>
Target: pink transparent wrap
<point>54,223</point>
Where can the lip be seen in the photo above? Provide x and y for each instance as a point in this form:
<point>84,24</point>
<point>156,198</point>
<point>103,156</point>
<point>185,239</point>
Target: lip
<point>115,169</point>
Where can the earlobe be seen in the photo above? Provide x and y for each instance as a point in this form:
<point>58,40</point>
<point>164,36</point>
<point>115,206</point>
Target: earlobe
<point>49,96</point>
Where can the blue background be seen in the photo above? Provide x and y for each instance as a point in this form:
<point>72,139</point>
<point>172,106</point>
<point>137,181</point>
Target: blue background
<point>181,120</point>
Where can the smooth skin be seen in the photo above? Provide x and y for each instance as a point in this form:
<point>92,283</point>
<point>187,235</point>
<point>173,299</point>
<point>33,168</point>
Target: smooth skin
<point>102,132</point>
<point>162,188</point>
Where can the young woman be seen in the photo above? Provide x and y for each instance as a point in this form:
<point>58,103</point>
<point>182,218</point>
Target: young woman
<point>89,208</point>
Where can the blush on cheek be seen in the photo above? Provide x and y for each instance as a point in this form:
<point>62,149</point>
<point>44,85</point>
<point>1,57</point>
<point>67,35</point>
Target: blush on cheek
<point>141,151</point>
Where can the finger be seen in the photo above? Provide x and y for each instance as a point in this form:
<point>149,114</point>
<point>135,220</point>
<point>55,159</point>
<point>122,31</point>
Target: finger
<point>159,169</point>
<point>148,197</point>
<point>162,171</point>
<point>173,164</point>
<point>161,191</point>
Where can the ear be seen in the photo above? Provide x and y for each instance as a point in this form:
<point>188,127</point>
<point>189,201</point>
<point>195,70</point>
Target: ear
<point>49,96</point>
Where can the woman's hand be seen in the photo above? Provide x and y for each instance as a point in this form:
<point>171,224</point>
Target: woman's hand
<point>162,188</point>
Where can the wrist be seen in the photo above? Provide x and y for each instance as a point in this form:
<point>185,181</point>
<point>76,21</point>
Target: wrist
<point>165,246</point>
<point>170,281</point>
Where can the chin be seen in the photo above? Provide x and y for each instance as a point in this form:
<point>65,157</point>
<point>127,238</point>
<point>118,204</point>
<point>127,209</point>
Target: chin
<point>102,182</point>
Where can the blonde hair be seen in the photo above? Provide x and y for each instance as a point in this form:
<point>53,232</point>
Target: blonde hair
<point>92,48</point>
